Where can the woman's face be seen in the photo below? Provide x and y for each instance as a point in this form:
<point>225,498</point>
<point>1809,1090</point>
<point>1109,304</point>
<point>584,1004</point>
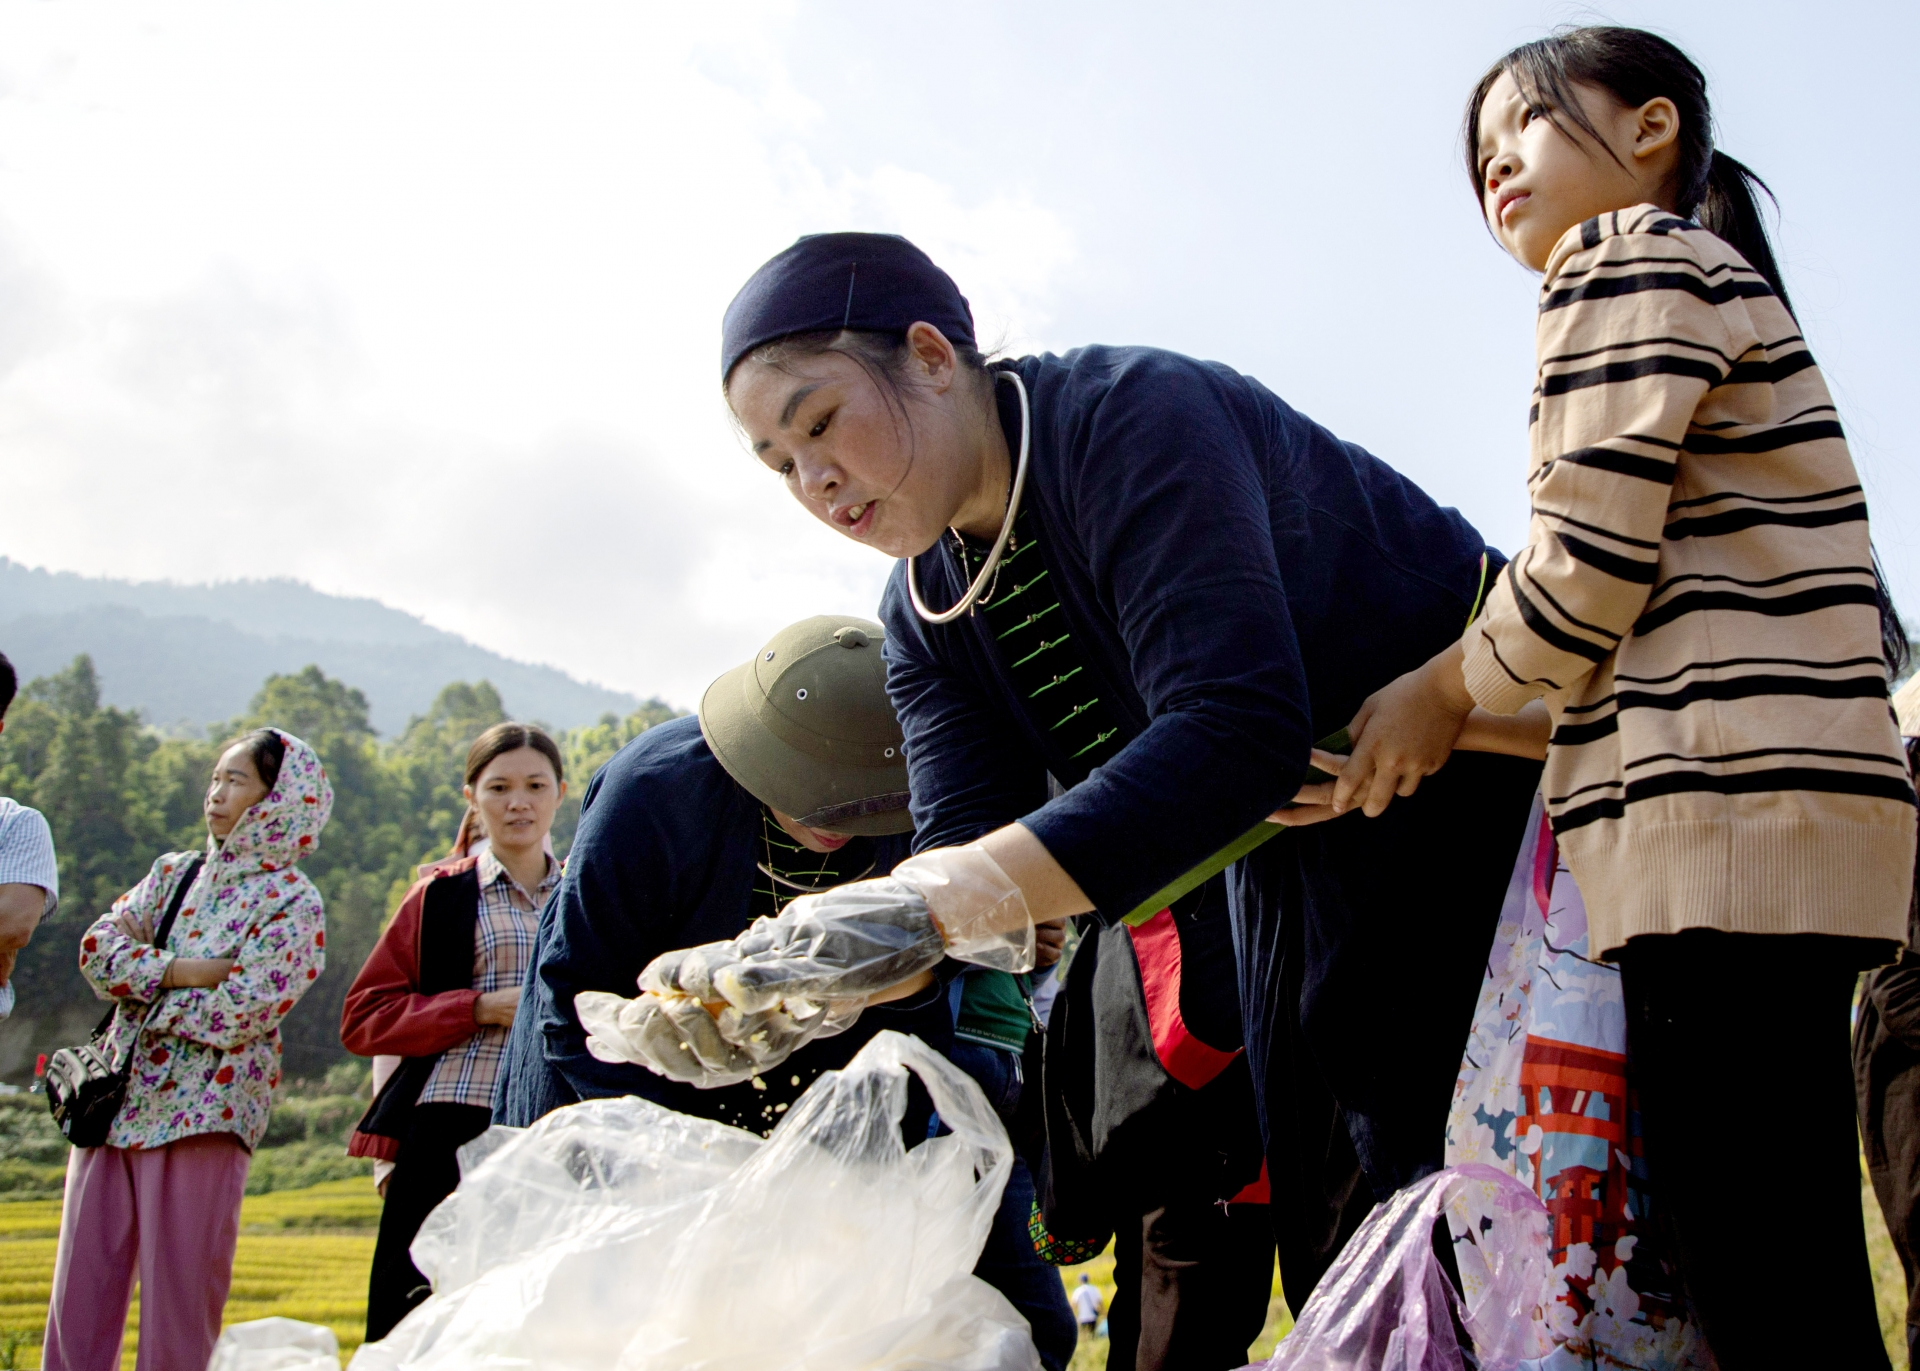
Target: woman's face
<point>235,788</point>
<point>852,459</point>
<point>516,797</point>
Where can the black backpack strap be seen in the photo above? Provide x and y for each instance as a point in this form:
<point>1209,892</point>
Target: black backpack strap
<point>187,875</point>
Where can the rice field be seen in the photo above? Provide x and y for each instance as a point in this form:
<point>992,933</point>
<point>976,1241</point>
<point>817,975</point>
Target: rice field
<point>304,1254</point>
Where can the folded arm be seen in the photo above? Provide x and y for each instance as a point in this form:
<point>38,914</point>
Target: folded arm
<point>280,956</point>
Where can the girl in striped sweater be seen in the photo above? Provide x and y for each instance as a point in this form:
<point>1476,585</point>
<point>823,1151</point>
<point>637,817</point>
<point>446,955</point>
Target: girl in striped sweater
<point>1699,610</point>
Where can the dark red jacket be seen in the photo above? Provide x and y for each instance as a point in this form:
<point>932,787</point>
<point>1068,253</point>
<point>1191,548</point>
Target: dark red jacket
<point>391,1009</point>
<point>385,1013</point>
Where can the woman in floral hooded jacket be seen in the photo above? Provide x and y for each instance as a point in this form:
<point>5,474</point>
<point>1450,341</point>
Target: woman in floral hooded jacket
<point>201,1020</point>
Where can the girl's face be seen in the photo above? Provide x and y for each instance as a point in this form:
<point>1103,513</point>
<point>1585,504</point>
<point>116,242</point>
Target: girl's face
<point>859,466</point>
<point>516,797</point>
<point>1538,178</point>
<point>236,787</point>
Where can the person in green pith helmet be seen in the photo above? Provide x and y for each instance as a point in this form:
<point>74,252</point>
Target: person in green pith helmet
<point>791,780</point>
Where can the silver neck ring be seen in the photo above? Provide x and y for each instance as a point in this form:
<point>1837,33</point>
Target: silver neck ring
<point>992,564</point>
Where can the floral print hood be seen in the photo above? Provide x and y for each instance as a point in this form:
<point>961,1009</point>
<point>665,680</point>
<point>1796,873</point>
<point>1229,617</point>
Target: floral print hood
<point>207,1059</point>
<point>284,828</point>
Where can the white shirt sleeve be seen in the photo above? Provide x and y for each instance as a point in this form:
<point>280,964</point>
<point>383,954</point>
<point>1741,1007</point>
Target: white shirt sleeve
<point>26,851</point>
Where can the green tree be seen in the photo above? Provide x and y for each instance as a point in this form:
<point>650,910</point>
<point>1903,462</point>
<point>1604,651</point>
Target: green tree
<point>82,766</point>
<point>590,747</point>
<point>117,795</point>
<point>428,763</point>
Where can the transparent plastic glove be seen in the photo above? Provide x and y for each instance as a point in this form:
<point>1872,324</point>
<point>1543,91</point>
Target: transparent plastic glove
<point>982,915</point>
<point>677,1037</point>
<point>842,944</point>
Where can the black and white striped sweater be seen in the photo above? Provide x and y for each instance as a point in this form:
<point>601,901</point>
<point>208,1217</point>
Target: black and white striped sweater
<point>1696,603</point>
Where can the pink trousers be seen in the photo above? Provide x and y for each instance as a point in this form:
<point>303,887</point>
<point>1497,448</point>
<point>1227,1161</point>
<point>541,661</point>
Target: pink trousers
<point>172,1215</point>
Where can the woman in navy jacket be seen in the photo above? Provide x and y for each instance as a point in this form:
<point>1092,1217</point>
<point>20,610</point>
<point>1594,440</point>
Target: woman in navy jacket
<point>1225,582</point>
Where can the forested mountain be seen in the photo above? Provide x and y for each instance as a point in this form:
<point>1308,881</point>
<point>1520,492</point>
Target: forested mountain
<point>117,794</point>
<point>187,655</point>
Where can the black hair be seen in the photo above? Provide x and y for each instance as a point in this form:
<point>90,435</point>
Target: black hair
<point>510,737</point>
<point>1635,66</point>
<point>9,685</point>
<point>266,749</point>
<point>882,355</point>
<point>1895,646</point>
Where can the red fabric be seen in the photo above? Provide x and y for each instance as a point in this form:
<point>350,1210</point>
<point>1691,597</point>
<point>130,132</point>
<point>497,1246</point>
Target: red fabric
<point>384,1011</point>
<point>380,1148</point>
<point>1156,946</point>
<point>1256,1191</point>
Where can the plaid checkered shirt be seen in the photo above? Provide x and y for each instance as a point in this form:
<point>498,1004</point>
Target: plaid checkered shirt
<point>502,948</point>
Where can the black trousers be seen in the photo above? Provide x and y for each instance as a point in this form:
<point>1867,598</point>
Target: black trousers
<point>424,1173</point>
<point>1191,1284</point>
<point>1738,1046</point>
<point>1361,946</point>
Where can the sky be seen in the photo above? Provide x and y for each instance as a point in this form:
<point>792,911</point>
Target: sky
<point>422,301</point>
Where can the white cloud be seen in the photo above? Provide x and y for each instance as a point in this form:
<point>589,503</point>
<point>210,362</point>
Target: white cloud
<point>434,318</point>
<point>422,302</point>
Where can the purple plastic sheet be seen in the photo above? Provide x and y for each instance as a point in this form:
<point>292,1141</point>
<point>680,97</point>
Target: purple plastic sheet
<point>1387,1304</point>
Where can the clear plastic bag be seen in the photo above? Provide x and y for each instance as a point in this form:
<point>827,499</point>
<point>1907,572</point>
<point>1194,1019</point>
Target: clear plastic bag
<point>617,1235</point>
<point>1387,1305</point>
<point>276,1344</point>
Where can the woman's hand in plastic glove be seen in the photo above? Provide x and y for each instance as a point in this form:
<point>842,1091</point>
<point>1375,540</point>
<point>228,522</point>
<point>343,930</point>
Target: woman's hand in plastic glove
<point>842,944</point>
<point>682,1039</point>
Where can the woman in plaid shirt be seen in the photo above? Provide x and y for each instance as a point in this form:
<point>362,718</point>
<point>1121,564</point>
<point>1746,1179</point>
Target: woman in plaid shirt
<point>439,991</point>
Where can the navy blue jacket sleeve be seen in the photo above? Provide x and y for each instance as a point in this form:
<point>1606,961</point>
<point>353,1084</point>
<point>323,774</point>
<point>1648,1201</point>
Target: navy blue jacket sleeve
<point>1165,488</point>
<point>651,844</point>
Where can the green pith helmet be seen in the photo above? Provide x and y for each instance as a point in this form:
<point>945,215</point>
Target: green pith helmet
<point>806,727</point>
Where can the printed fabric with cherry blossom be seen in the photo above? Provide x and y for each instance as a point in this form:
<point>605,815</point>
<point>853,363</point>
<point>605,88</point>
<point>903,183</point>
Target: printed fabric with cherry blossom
<point>1546,1095</point>
<point>207,1060</point>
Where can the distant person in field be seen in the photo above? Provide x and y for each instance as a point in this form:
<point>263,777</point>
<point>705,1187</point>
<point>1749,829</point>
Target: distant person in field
<point>200,1018</point>
<point>1086,1306</point>
<point>440,989</point>
<point>29,875</point>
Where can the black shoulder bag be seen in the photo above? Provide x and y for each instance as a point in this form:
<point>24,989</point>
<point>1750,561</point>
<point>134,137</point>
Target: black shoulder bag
<point>84,1089</point>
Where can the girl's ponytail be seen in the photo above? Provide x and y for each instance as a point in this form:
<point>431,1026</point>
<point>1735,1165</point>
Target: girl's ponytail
<point>1730,210</point>
<point>1895,646</point>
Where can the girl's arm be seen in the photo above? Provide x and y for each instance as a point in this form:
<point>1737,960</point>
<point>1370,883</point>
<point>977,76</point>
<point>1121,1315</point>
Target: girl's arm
<point>279,958</point>
<point>1629,347</point>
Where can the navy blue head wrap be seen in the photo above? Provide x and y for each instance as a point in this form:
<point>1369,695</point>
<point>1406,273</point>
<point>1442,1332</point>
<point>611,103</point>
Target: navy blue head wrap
<point>872,281</point>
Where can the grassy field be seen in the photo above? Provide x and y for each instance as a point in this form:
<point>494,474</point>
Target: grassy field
<point>304,1254</point>
<point>1092,1352</point>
